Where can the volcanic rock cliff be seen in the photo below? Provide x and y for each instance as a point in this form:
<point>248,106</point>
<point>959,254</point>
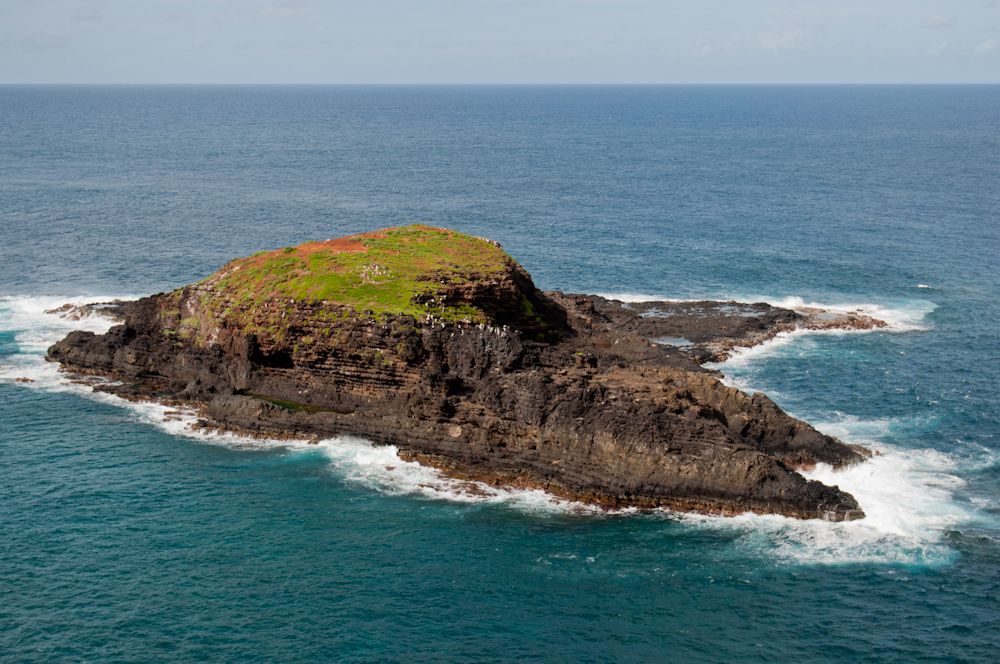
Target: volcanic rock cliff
<point>439,343</point>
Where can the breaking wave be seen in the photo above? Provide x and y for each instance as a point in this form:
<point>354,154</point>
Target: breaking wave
<point>906,494</point>
<point>358,461</point>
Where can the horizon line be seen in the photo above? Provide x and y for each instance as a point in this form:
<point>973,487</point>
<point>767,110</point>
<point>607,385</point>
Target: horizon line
<point>636,85</point>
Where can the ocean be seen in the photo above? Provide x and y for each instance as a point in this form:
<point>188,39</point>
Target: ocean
<point>127,537</point>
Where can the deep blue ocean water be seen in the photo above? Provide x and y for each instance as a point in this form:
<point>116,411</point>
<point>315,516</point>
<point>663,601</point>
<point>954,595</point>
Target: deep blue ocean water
<point>127,538</point>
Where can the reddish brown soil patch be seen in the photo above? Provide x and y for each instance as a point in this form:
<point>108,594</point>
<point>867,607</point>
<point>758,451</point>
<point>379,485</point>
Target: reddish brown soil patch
<point>343,245</point>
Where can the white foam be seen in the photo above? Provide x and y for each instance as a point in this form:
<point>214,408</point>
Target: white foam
<point>903,492</point>
<point>641,297</point>
<point>903,319</point>
<point>901,315</point>
<point>740,357</point>
<point>36,330</point>
<point>906,496</point>
<point>356,460</point>
<point>380,468</point>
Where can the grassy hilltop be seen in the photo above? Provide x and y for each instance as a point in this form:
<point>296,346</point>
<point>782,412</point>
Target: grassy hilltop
<point>415,270</point>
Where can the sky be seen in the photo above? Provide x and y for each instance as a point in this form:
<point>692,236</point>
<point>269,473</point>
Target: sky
<point>499,41</point>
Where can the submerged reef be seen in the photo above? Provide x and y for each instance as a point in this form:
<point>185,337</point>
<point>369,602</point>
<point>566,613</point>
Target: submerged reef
<point>439,343</point>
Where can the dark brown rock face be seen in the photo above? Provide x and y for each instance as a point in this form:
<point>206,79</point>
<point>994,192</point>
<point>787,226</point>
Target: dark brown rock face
<point>583,404</point>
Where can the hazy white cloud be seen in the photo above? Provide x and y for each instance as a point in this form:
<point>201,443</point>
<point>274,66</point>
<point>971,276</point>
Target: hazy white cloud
<point>937,49</point>
<point>987,45</point>
<point>937,21</point>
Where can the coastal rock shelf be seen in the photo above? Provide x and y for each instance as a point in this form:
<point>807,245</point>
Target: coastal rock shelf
<point>439,343</point>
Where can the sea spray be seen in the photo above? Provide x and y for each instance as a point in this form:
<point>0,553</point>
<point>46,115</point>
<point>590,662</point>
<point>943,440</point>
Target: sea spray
<point>908,504</point>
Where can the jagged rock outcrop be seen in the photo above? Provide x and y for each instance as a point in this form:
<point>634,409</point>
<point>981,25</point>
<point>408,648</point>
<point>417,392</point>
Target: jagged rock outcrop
<point>440,344</point>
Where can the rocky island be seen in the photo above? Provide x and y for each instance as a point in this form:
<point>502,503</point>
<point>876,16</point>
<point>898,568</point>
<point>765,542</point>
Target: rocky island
<point>439,343</point>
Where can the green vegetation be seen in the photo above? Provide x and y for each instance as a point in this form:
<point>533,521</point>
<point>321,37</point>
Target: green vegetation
<point>298,407</point>
<point>396,271</point>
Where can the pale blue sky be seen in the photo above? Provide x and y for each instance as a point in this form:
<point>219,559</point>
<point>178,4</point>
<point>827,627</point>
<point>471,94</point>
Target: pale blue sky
<point>499,41</point>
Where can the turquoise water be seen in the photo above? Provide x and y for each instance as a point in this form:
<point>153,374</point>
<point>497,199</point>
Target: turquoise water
<point>127,538</point>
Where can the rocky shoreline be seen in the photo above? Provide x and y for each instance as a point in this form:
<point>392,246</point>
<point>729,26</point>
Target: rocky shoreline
<point>591,399</point>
